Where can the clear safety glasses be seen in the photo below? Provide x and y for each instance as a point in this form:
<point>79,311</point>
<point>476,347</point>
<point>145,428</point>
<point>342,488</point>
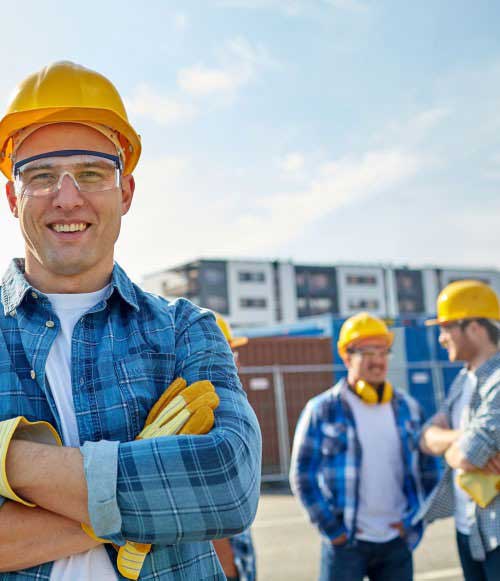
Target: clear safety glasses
<point>91,171</point>
<point>372,352</point>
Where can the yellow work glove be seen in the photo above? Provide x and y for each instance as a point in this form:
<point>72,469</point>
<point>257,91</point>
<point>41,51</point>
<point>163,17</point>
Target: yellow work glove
<point>481,487</point>
<point>180,410</point>
<point>20,428</point>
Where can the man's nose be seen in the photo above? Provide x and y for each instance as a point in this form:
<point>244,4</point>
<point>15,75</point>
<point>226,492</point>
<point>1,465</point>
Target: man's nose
<point>68,194</point>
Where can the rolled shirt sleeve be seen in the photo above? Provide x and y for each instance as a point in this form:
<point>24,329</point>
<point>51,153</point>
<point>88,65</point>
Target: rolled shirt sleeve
<point>481,439</point>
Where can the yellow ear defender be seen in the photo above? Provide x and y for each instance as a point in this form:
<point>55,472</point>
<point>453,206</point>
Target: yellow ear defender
<point>369,394</point>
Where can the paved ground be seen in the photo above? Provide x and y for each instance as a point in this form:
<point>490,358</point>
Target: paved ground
<point>288,546</point>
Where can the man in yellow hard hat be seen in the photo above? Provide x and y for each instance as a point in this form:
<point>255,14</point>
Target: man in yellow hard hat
<point>236,553</point>
<point>355,464</point>
<point>466,430</point>
<point>85,349</point>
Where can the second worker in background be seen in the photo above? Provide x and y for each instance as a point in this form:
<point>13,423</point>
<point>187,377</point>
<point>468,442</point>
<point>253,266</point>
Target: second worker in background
<point>356,466</point>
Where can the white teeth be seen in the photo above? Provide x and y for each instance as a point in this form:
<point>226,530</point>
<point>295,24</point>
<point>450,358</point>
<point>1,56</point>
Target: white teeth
<point>69,227</point>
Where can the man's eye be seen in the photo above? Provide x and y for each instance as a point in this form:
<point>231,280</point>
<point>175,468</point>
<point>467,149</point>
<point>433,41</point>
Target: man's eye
<point>90,175</point>
<point>42,178</point>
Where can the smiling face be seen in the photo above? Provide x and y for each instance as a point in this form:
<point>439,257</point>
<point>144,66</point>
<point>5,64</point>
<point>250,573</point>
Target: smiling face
<point>69,236</point>
<point>368,360</point>
<point>459,342</point>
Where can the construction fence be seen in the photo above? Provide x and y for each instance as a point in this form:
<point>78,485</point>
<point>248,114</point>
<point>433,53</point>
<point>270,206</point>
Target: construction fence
<point>293,370</point>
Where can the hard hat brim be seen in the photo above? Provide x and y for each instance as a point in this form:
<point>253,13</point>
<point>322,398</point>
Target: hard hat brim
<point>13,122</point>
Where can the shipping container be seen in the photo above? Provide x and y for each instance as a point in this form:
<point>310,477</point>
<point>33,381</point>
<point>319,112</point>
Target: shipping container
<point>279,375</point>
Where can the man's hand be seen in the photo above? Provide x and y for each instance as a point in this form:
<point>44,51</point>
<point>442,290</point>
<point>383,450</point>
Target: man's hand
<point>438,437</point>
<point>456,459</point>
<point>493,465</point>
<point>441,421</point>
<point>32,536</point>
<point>340,540</point>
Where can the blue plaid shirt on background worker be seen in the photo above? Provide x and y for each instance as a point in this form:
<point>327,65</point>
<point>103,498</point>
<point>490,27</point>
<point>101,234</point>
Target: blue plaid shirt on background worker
<point>326,463</point>
<point>169,491</point>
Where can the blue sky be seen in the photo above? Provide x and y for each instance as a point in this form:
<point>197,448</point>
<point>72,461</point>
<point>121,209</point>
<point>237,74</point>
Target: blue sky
<point>312,130</point>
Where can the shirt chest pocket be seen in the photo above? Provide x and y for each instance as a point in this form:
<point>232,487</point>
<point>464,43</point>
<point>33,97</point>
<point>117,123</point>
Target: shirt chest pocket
<point>334,439</point>
<point>141,381</point>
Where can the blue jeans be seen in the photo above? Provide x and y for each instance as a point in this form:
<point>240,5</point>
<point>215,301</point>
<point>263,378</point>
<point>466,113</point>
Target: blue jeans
<point>487,570</point>
<point>391,561</point>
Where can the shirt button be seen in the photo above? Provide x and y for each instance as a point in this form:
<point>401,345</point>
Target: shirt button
<point>49,324</point>
<point>34,295</point>
<point>33,374</point>
<point>82,381</point>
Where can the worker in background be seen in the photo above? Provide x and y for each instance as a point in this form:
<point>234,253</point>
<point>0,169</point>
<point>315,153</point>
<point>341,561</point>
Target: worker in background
<point>86,350</point>
<point>237,553</point>
<point>466,430</point>
<point>356,466</point>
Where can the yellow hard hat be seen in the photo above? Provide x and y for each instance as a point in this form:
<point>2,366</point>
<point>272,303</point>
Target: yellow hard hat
<point>362,326</point>
<point>225,327</point>
<point>64,92</point>
<point>466,299</point>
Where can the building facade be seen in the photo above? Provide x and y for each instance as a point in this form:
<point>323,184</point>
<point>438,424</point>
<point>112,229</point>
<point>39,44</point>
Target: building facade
<point>259,292</point>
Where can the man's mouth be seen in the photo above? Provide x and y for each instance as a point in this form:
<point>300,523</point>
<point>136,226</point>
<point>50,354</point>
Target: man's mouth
<point>73,227</point>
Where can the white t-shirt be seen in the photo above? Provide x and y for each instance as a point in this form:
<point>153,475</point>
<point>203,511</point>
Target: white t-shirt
<point>381,497</point>
<point>94,564</point>
<point>458,418</point>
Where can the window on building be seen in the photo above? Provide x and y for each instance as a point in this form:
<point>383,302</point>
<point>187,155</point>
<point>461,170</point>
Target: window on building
<point>216,303</point>
<point>361,280</point>
<point>214,276</point>
<point>300,279</point>
<point>319,281</point>
<point>410,292</point>
<point>249,276</point>
<point>253,303</point>
<point>320,305</point>
<point>370,304</point>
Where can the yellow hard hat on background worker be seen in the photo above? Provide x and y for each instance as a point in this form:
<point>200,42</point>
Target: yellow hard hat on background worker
<point>466,299</point>
<point>65,92</point>
<point>225,327</point>
<point>362,326</point>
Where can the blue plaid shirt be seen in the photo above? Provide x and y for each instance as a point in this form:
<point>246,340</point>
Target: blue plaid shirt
<point>479,442</point>
<point>326,463</point>
<point>244,556</point>
<point>175,492</point>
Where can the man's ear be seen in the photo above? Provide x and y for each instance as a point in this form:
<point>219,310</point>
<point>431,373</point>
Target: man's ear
<point>128,188</point>
<point>11,197</point>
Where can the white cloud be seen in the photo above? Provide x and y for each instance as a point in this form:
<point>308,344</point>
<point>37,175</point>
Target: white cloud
<point>163,109</point>
<point>199,80</point>
<point>177,216</point>
<point>416,128</point>
<point>181,21</point>
<point>291,7</point>
<point>240,62</point>
<point>295,7</point>
<point>337,183</point>
<point>292,163</point>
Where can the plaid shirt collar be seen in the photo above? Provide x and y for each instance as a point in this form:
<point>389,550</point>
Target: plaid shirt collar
<point>485,370</point>
<point>15,286</point>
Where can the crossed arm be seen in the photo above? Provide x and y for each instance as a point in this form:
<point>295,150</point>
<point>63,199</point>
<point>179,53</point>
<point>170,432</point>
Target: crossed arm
<point>52,478</point>
<point>439,439</point>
